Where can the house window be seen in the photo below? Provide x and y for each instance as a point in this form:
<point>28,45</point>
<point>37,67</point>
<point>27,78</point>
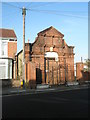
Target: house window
<point>2,70</point>
<point>11,39</point>
<point>4,48</point>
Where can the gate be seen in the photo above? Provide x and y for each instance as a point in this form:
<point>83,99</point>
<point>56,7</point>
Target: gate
<point>38,74</point>
<point>54,72</point>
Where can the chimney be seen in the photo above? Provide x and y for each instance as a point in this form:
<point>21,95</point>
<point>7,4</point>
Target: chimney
<point>28,40</point>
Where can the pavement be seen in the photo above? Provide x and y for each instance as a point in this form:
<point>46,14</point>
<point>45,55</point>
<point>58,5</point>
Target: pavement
<point>13,90</point>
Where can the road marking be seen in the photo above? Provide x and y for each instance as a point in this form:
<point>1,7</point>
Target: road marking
<point>18,91</point>
<point>43,91</point>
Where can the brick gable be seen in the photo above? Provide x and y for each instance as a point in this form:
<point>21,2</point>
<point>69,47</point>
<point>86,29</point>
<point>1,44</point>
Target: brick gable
<point>51,31</point>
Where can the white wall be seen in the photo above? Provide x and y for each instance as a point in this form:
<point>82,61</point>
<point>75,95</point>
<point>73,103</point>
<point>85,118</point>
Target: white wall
<point>4,46</point>
<point>10,69</point>
<point>5,69</point>
<point>0,47</point>
<point>5,64</point>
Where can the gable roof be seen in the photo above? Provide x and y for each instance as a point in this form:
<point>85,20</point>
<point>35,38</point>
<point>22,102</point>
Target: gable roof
<point>19,52</point>
<point>7,33</point>
<point>51,31</point>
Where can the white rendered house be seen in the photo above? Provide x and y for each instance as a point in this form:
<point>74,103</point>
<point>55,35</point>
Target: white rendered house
<point>8,49</point>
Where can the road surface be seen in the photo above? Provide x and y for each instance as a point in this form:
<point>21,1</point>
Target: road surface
<point>53,104</point>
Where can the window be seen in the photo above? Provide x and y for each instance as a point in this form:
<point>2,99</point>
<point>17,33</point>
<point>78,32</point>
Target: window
<point>2,70</point>
<point>11,39</point>
<point>4,48</point>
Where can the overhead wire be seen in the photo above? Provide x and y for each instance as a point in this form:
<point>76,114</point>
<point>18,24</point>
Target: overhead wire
<point>49,11</point>
<point>8,15</point>
<point>57,13</point>
<point>57,10</point>
<point>41,5</point>
<point>13,12</point>
<point>30,3</point>
<point>11,5</point>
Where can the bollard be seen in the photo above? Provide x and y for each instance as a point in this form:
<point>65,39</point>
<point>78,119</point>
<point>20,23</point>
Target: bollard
<point>21,84</point>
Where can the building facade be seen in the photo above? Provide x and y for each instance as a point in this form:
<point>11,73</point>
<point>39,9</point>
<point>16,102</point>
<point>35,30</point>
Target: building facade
<point>81,73</point>
<point>53,58</point>
<point>8,49</point>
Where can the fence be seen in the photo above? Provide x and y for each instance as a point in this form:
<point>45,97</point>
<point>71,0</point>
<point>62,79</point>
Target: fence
<point>52,72</point>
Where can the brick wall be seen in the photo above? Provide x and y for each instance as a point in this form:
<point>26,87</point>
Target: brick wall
<point>30,74</point>
<point>12,49</point>
<point>79,69</point>
<point>30,71</point>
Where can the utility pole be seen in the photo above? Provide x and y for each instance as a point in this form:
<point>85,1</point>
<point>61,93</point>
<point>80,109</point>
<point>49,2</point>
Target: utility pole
<point>48,69</point>
<point>23,61</point>
<point>65,69</point>
<point>81,59</point>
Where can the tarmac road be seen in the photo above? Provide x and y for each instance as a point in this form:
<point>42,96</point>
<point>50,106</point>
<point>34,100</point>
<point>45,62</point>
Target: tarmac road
<point>58,104</point>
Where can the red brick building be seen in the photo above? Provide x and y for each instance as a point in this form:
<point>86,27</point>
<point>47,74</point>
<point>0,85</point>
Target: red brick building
<point>79,69</point>
<point>53,58</point>
<point>81,74</point>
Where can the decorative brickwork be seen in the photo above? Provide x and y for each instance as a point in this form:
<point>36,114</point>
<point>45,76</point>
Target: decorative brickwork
<point>49,59</point>
<point>53,58</point>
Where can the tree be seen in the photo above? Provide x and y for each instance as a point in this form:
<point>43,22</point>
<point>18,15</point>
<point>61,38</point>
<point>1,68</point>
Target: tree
<point>87,65</point>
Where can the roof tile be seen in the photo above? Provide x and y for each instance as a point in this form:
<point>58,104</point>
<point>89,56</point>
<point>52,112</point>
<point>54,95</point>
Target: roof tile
<point>7,33</point>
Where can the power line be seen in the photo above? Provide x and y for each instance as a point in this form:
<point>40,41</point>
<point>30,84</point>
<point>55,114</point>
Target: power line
<point>57,13</point>
<point>49,11</point>
<point>11,5</point>
<point>30,3</point>
<point>14,12</point>
<point>27,5</point>
<point>8,16</point>
<point>42,5</point>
